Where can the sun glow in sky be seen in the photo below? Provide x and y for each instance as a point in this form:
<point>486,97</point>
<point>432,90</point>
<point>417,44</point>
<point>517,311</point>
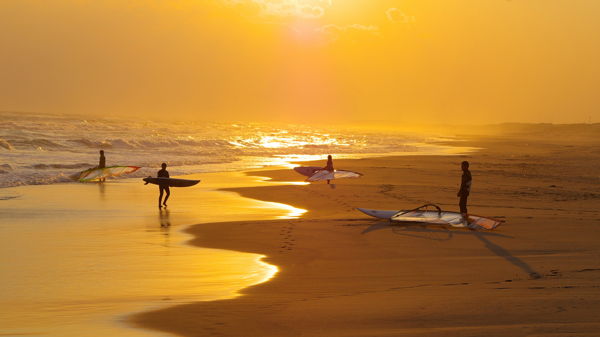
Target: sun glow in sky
<point>317,61</point>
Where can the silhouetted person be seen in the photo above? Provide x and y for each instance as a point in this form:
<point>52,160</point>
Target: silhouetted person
<point>465,186</point>
<point>165,174</point>
<point>102,163</point>
<point>329,166</point>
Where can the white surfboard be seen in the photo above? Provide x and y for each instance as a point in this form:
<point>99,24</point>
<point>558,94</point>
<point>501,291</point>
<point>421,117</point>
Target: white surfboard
<point>378,213</point>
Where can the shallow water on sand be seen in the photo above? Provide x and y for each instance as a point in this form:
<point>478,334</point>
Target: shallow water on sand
<point>78,258</point>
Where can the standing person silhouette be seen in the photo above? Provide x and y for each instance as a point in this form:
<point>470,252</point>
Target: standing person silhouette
<point>465,186</point>
<point>329,166</point>
<point>102,163</point>
<point>163,188</point>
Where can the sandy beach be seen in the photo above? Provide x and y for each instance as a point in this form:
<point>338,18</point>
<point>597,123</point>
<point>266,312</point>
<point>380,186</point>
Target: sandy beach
<point>79,257</point>
<point>235,93</point>
<point>342,273</point>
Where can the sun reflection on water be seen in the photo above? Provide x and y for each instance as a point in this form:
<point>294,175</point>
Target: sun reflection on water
<point>296,139</point>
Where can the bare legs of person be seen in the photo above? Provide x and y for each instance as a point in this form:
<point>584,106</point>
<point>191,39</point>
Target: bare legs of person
<point>165,189</point>
<point>463,203</point>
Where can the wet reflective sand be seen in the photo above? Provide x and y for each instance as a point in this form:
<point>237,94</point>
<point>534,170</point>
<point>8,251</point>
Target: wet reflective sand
<point>78,258</point>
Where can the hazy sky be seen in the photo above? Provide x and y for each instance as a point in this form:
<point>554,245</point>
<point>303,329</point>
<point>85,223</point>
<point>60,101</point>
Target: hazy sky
<point>444,61</point>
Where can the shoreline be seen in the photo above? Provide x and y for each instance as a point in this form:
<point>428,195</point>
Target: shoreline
<point>81,257</point>
<point>269,163</point>
<point>341,275</point>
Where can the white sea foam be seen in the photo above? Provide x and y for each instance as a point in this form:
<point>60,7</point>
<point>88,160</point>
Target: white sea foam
<point>5,145</point>
<point>46,149</point>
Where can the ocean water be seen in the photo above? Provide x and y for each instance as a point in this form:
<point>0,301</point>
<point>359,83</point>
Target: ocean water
<point>80,258</point>
<point>37,149</point>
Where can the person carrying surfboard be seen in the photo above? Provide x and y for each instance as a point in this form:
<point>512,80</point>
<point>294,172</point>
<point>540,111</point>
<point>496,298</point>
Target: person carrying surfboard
<point>329,166</point>
<point>163,188</point>
<point>465,186</point>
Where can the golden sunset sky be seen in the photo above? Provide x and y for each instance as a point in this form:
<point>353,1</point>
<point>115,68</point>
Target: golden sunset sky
<point>439,61</point>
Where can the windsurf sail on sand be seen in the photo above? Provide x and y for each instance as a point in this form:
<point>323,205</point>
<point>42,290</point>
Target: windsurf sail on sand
<point>102,173</point>
<point>307,170</point>
<point>329,175</point>
<point>423,215</point>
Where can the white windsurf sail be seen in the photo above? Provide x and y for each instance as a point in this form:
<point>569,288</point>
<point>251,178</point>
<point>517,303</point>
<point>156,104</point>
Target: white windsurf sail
<point>307,170</point>
<point>336,174</point>
<point>432,217</point>
<point>103,173</point>
<point>435,217</point>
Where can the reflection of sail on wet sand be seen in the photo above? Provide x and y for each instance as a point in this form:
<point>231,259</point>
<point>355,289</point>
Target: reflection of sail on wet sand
<point>89,262</point>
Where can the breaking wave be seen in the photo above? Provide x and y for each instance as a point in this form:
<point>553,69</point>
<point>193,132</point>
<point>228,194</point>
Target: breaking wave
<point>45,149</point>
<point>5,145</point>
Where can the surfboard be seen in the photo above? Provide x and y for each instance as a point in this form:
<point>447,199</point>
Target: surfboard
<point>380,214</point>
<point>103,173</point>
<point>171,182</point>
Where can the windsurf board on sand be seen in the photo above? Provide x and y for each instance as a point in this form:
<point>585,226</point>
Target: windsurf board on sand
<point>435,217</point>
<point>171,182</point>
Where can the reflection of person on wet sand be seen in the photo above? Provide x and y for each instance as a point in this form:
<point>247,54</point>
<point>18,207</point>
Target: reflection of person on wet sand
<point>329,166</point>
<point>164,218</point>
<point>163,188</point>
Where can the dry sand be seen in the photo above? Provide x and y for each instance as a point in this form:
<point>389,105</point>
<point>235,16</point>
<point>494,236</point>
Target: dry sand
<point>342,273</point>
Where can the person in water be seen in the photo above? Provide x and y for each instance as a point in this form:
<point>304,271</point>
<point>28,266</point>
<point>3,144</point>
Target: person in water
<point>102,163</point>
<point>163,188</point>
<point>465,186</point>
<point>329,166</point>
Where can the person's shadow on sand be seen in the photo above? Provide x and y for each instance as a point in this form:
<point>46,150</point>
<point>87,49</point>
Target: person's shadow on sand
<point>444,234</point>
